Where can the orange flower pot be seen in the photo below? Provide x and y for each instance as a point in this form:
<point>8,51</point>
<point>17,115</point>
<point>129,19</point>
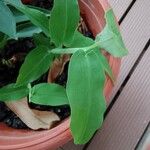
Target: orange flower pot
<point>13,139</point>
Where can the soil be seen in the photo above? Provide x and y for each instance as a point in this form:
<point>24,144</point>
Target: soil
<point>11,59</point>
<point>47,4</point>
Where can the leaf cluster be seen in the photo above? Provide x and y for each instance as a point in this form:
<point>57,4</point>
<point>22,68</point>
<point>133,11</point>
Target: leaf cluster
<point>87,68</point>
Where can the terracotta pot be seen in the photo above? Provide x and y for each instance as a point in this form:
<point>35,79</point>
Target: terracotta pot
<point>93,12</point>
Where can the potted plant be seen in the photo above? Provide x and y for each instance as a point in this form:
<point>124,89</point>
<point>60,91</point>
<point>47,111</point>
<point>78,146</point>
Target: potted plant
<point>87,85</point>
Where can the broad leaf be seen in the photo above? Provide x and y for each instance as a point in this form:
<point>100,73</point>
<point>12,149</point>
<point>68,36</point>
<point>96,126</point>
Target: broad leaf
<point>64,21</point>
<point>110,38</point>
<point>36,63</point>
<point>27,30</point>
<point>36,17</point>
<point>85,94</point>
<point>49,94</point>
<point>12,92</point>
<point>7,21</point>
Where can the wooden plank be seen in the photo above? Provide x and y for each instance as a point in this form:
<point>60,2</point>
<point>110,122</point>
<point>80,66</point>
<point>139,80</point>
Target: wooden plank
<point>130,115</point>
<point>71,146</point>
<point>135,33</point>
<point>145,142</point>
<point>119,6</point>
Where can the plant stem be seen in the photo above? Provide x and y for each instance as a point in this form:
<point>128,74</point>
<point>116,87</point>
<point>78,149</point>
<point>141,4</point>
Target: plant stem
<point>30,91</point>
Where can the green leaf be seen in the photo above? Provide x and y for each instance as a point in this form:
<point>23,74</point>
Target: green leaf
<point>85,85</point>
<point>7,21</point>
<point>40,39</point>
<point>49,94</point>
<point>37,17</point>
<point>110,38</point>
<point>3,40</point>
<point>45,11</point>
<point>64,21</point>
<point>80,40</point>
<point>36,64</point>
<point>105,64</point>
<point>27,30</point>
<point>12,92</point>
<point>19,16</point>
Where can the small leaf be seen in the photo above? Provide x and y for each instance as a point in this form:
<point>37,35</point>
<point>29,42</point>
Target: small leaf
<point>85,94</point>
<point>37,17</point>
<point>36,63</point>
<point>110,38</point>
<point>12,92</point>
<point>27,30</point>
<point>7,21</point>
<point>64,21</point>
<point>49,94</point>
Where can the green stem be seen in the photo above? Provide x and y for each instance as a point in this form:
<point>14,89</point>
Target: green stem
<point>73,50</point>
<point>90,47</point>
<point>30,91</point>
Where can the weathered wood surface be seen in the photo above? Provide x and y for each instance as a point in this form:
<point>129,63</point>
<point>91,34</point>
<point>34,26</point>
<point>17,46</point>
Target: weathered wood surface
<point>144,144</point>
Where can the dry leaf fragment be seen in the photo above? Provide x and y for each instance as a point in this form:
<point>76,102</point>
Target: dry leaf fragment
<point>57,67</point>
<point>34,119</point>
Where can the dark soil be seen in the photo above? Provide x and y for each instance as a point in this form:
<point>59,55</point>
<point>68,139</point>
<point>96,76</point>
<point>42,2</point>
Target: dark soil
<point>47,4</point>
<point>11,58</point>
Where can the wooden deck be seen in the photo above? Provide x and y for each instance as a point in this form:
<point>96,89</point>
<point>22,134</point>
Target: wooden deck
<point>127,123</point>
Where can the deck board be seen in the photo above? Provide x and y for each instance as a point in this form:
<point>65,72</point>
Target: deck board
<point>145,142</point>
<point>135,30</point>
<point>130,115</point>
<point>119,6</point>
